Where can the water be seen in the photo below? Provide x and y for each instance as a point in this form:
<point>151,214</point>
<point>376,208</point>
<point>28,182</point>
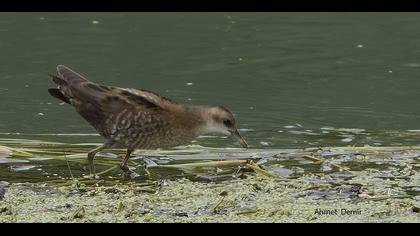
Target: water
<point>285,75</point>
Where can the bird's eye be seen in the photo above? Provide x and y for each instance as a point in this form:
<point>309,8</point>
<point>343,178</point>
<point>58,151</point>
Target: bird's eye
<point>227,122</point>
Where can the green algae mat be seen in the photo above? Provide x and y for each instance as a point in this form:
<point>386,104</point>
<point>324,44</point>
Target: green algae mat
<point>47,182</point>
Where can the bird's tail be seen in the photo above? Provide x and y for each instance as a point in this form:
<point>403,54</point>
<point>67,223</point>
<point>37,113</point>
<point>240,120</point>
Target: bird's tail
<point>58,94</point>
<point>62,92</point>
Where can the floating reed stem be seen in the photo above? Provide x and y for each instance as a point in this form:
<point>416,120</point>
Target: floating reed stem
<point>317,160</point>
<point>314,159</point>
<point>107,170</point>
<point>206,164</point>
<point>260,171</point>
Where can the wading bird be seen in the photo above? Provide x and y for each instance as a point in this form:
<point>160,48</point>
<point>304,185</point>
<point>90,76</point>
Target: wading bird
<point>136,118</point>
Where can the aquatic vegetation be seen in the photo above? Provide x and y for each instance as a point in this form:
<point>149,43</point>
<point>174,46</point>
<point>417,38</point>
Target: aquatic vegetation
<point>199,184</point>
<point>254,199</point>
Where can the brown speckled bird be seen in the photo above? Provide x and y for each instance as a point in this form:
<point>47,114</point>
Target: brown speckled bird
<point>136,118</point>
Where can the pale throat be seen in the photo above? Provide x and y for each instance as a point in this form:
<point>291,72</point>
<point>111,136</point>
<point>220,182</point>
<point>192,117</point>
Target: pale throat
<point>211,128</point>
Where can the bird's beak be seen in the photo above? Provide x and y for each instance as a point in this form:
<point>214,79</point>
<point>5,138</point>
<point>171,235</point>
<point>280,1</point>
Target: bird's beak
<point>241,140</point>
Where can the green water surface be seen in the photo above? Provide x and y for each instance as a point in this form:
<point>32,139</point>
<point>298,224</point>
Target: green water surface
<point>287,76</point>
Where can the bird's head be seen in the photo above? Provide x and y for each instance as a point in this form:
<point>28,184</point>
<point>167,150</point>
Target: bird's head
<point>219,120</point>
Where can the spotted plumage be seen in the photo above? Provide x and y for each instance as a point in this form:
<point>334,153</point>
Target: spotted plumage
<point>136,118</point>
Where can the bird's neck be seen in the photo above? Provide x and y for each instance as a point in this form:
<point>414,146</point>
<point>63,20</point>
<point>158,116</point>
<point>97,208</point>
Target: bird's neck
<point>197,118</point>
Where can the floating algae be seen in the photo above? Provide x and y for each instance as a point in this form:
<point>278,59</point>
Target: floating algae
<point>253,199</point>
<point>196,184</point>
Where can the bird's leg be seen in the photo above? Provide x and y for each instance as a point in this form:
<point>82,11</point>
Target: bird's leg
<point>124,163</point>
<point>91,157</point>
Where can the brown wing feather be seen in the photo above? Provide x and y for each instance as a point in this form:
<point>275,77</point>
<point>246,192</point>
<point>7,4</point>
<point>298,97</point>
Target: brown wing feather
<point>69,75</point>
<point>106,96</point>
<point>97,103</point>
<point>155,98</point>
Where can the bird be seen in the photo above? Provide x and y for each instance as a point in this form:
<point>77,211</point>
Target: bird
<point>134,118</point>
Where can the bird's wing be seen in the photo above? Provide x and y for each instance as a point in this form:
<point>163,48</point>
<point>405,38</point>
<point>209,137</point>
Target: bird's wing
<point>106,98</point>
<point>96,103</point>
<point>153,97</point>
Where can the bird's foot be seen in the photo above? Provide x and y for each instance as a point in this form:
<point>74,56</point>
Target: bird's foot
<point>129,173</point>
<point>125,168</point>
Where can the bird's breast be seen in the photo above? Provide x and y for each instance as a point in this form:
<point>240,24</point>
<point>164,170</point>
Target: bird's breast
<point>140,130</point>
